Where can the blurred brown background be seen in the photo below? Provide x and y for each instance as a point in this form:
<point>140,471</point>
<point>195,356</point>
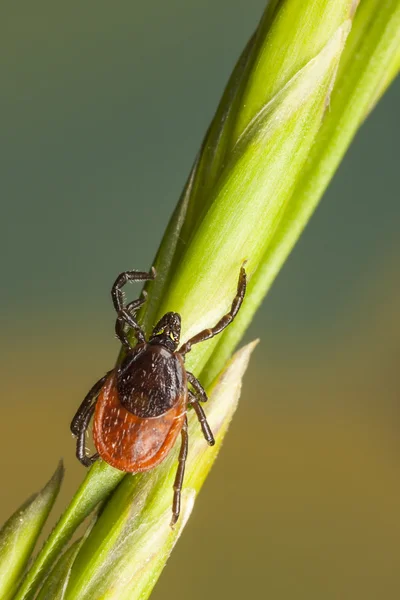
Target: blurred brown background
<point>103,108</point>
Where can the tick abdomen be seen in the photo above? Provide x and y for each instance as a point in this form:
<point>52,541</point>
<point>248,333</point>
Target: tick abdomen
<point>131,443</point>
<point>151,380</point>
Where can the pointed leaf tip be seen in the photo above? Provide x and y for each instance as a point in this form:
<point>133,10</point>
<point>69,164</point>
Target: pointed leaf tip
<point>19,534</point>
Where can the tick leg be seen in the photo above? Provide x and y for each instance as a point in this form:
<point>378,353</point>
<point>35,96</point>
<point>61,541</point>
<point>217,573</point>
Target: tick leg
<point>207,334</point>
<point>123,312</point>
<point>206,429</point>
<point>80,440</point>
<point>124,317</point>
<point>76,422</point>
<point>122,279</point>
<point>198,388</point>
<point>176,503</point>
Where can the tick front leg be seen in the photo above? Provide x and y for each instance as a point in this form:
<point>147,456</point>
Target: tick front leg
<point>176,503</point>
<point>207,334</point>
<point>122,279</point>
<point>126,316</point>
<point>206,429</point>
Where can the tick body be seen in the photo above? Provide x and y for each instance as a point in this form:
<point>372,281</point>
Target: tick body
<point>140,407</point>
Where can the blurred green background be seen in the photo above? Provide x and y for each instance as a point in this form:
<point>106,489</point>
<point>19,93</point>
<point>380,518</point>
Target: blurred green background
<point>103,107</point>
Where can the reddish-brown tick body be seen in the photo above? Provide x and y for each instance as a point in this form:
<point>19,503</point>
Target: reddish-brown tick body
<point>141,409</point>
<point>140,406</point>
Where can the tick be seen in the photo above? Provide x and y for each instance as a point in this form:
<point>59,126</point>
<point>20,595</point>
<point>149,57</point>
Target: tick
<point>140,406</point>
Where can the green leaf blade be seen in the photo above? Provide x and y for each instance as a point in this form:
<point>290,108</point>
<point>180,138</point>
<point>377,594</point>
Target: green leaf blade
<point>56,583</point>
<point>99,482</point>
<point>19,534</point>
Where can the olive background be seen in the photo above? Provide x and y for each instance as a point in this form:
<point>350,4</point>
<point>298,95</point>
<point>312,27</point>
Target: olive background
<point>103,107</point>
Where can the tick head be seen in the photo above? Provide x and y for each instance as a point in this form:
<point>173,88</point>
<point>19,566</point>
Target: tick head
<point>167,332</point>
